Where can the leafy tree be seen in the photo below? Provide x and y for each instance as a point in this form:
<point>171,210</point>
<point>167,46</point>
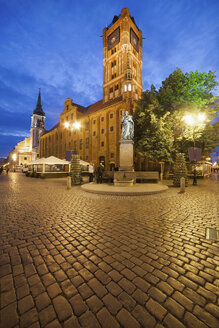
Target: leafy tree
<point>159,129</point>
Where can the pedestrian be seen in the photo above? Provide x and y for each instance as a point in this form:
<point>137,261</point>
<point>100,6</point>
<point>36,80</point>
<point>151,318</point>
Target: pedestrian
<point>91,173</point>
<point>100,172</point>
<point>7,170</point>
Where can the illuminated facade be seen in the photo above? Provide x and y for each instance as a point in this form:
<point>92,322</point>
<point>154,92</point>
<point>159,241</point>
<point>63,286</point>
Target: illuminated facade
<point>97,138</point>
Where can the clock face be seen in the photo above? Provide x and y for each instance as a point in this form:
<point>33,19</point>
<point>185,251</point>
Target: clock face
<point>134,39</point>
<point>113,38</point>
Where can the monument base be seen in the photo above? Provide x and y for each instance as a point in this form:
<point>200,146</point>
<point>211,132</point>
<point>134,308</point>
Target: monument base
<point>126,155</point>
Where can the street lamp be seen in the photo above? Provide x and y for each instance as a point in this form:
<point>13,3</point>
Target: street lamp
<point>194,121</point>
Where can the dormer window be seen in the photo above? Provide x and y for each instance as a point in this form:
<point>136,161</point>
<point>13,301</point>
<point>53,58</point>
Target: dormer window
<point>67,107</point>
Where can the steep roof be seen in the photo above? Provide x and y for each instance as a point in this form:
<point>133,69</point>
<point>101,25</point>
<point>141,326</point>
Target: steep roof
<point>39,110</point>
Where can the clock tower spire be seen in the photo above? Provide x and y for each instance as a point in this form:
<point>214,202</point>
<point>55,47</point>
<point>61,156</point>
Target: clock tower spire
<point>122,59</point>
<point>37,127</point>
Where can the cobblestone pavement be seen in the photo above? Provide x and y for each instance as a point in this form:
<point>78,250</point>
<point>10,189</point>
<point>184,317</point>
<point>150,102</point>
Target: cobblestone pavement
<point>73,259</point>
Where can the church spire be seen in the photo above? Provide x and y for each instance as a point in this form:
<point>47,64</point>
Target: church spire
<point>39,110</point>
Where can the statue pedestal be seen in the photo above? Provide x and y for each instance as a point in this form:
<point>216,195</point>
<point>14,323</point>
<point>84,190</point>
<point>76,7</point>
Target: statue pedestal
<point>125,177</point>
<point>126,155</point>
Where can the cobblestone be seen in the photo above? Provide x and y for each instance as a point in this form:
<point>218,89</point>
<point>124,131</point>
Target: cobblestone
<point>73,259</point>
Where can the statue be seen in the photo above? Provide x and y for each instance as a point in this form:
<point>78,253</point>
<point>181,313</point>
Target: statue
<point>127,127</point>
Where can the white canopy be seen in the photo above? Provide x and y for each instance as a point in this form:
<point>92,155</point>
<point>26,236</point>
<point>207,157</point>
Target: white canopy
<point>52,160</point>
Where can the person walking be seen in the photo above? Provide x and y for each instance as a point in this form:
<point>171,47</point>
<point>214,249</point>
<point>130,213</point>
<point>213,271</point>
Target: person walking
<point>91,173</point>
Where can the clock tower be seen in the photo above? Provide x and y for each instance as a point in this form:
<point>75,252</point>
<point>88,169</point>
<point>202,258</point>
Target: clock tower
<point>122,59</point>
<point>37,127</point>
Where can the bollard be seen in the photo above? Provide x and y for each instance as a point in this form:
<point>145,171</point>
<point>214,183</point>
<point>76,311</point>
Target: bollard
<point>68,182</point>
<point>182,185</point>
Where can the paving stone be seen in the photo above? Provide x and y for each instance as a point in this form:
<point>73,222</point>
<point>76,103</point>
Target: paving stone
<point>207,294</point>
<point>194,297</point>
<point>54,290</point>
<point>28,318</point>
<point>7,298</point>
<point>127,320</point>
<point>156,309</point>
<point>85,291</point>
<point>78,305</point>
<point>175,308</point>
<point>89,320</point>
<point>7,320</point>
<point>72,323</point>
<point>157,294</point>
<point>144,317</point>
<point>25,304</point>
<point>193,322</point>
<point>206,317</point>
<point>213,309</point>
<point>97,287</point>
<point>54,324</point>
<point>165,287</point>
<point>94,303</point>
<point>68,288</point>
<point>183,300</point>
<point>127,301</point>
<point>37,289</point>
<point>128,286</point>
<point>170,321</point>
<point>106,319</point>
<point>47,315</point>
<point>42,301</point>
<point>112,304</point>
<point>48,279</point>
<point>62,307</point>
<point>140,297</point>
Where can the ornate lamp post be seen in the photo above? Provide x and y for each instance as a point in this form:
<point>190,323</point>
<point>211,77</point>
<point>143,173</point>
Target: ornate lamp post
<point>194,121</point>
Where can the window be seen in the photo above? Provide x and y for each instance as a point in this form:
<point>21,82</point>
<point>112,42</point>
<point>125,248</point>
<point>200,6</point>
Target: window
<point>111,129</point>
<point>75,145</point>
<point>80,144</point>
<point>94,121</point>
<point>113,51</point>
<point>111,90</point>
<point>94,133</point>
<point>102,131</point>
<point>113,63</point>
<point>102,119</point>
<point>113,76</point>
<point>129,87</point>
<point>111,115</point>
<point>125,88</point>
<point>116,87</point>
<point>112,155</point>
<point>67,107</point>
<point>87,143</point>
<point>25,158</point>
<point>102,143</point>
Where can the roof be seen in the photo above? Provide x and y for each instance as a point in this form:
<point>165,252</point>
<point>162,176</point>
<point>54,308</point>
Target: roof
<point>93,108</point>
<point>101,105</point>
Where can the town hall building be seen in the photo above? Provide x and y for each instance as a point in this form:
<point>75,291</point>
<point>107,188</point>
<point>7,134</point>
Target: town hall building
<point>94,131</point>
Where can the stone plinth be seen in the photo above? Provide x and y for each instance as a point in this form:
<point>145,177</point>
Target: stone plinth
<point>126,155</point>
<point>124,178</point>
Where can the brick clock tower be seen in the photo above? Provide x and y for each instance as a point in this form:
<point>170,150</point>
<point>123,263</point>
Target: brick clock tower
<point>37,127</point>
<point>122,60</point>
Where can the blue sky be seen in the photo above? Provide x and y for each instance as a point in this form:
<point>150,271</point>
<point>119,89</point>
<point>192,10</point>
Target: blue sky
<point>55,45</point>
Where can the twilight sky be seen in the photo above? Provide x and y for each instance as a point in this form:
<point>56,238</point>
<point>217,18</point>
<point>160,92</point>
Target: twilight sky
<point>55,45</point>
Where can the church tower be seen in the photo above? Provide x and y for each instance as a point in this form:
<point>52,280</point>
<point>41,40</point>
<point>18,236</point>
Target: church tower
<point>37,127</point>
<point>122,59</point>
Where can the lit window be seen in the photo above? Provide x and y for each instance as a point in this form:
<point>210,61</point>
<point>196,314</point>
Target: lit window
<point>129,87</point>
<point>125,88</point>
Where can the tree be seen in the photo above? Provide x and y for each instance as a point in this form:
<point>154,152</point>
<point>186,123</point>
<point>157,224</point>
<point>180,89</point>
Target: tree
<point>159,130</point>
